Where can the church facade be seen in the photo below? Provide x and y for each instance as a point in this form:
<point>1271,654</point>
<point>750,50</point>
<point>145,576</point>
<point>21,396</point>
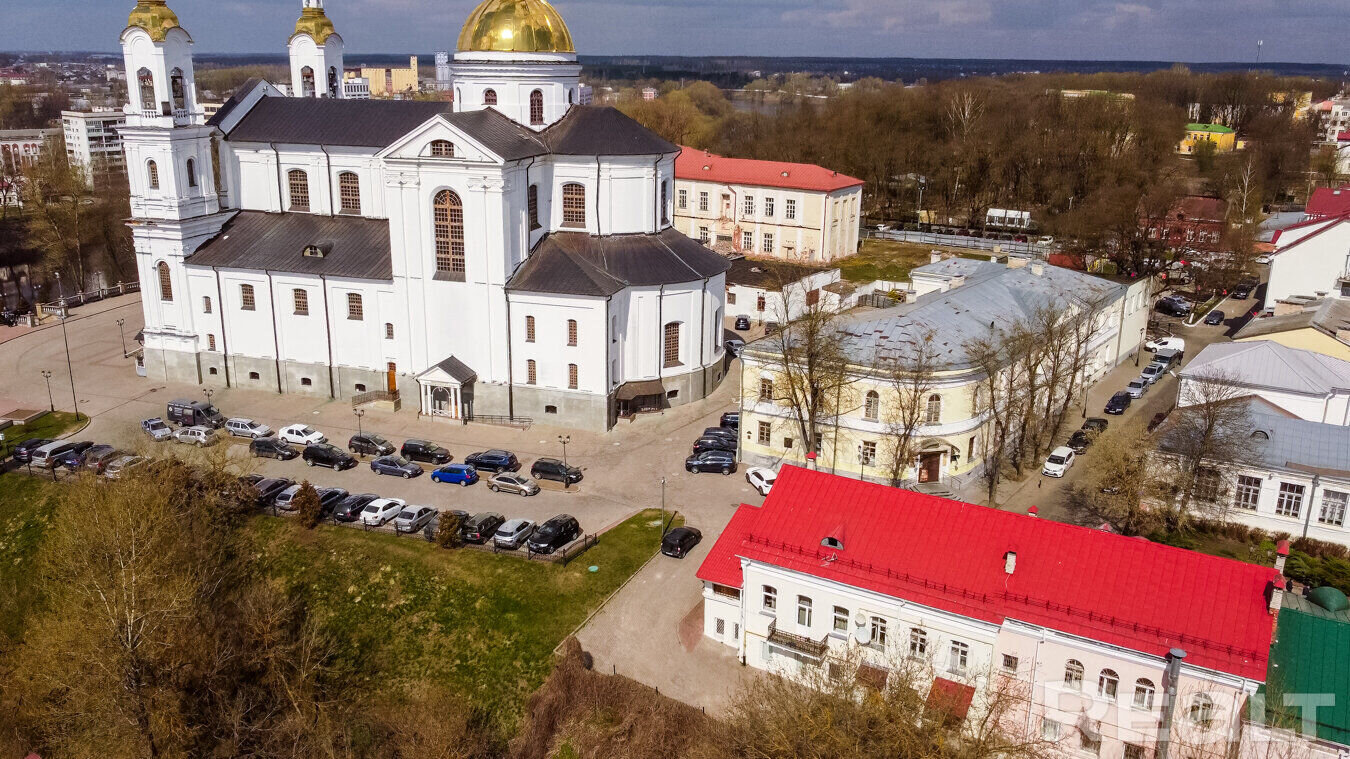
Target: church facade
<point>510,254</point>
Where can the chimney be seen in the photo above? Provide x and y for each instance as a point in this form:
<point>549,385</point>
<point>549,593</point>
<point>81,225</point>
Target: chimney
<point>1017,262</point>
<point>934,256</point>
<point>955,282</point>
<point>1281,555</point>
<point>1169,706</point>
<point>1033,512</point>
<point>1277,585</point>
<point>1038,268</point>
<point>1009,562</point>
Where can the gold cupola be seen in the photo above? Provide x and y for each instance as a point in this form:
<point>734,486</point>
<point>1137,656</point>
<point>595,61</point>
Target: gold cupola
<point>154,16</point>
<point>515,26</point>
<point>314,22</point>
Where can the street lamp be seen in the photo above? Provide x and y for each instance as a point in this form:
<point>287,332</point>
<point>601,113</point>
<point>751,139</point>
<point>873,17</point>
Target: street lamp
<point>564,439</point>
<point>359,413</point>
<point>663,507</point>
<point>48,376</point>
<point>122,334</point>
<point>1139,348</point>
<point>208,392</point>
<point>70,367</point>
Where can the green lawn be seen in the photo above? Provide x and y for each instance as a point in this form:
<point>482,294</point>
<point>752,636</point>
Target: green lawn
<point>51,425</point>
<point>892,260</point>
<point>26,506</point>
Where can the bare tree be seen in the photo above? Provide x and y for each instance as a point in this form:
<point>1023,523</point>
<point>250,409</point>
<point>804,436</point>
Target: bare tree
<point>1121,480</point>
<point>997,395</point>
<point>911,377</point>
<point>1210,427</point>
<point>59,201</point>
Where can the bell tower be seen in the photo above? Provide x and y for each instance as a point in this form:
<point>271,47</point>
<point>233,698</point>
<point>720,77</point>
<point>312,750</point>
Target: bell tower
<point>316,54</point>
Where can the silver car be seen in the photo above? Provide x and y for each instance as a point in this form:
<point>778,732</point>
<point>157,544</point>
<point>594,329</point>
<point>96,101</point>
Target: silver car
<point>241,427</point>
<point>199,435</point>
<point>414,518</point>
<point>120,466</point>
<point>157,429</point>
<point>510,482</point>
<point>513,534</point>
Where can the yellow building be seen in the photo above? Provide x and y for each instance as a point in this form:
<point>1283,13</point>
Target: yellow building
<point>388,82</point>
<point>1224,138</point>
<point>1321,327</point>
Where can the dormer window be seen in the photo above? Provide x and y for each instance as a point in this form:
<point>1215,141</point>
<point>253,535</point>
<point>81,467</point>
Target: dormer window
<point>442,149</point>
<point>1260,435</point>
<point>833,543</point>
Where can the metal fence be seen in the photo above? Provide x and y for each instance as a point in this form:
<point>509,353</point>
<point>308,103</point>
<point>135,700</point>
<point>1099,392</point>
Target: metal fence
<point>961,241</point>
<point>521,422</point>
<point>59,305</point>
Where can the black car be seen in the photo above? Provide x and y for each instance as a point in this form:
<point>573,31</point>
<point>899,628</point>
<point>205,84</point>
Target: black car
<point>680,541</point>
<point>553,469</point>
<point>742,323</point>
<point>718,443</point>
<point>724,432</point>
<point>330,497</point>
<point>712,461</point>
<point>74,458</point>
<point>732,420</point>
<point>1173,306</point>
<point>10,318</point>
<point>370,444</point>
<point>270,488</point>
<point>554,534</point>
<point>1118,403</point>
<point>480,528</point>
<point>495,460</point>
<point>395,465</point>
<point>423,450</point>
<point>23,452</point>
<point>1095,424</point>
<point>1242,292</point>
<point>349,508</point>
<point>1079,441</point>
<point>1214,317</point>
<point>329,455</point>
<point>272,448</point>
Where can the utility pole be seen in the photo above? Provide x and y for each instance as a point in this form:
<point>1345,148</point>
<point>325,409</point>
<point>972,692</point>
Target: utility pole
<point>70,367</point>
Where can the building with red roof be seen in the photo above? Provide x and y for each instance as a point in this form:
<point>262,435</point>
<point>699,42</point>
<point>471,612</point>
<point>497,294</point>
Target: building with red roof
<point>1326,202</point>
<point>1193,221</point>
<point>1094,626</point>
<point>792,211</point>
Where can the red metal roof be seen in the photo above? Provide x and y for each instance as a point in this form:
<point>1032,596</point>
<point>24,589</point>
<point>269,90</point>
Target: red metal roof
<point>950,697</point>
<point>1326,201</point>
<point>697,164</point>
<point>950,555</point>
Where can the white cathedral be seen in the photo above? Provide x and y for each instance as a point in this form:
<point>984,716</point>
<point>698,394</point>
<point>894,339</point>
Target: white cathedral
<point>507,255</point>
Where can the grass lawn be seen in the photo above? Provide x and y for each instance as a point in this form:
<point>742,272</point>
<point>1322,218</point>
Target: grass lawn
<point>51,425</point>
<point>26,506</point>
<point>892,260</point>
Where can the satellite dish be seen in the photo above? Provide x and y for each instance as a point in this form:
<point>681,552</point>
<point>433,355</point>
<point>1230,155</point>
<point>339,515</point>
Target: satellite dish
<point>863,634</point>
<point>859,618</point>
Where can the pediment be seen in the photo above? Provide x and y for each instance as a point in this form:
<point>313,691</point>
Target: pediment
<point>417,145</point>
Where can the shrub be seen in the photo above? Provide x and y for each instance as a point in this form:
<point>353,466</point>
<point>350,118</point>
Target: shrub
<point>307,503</point>
<point>447,530</point>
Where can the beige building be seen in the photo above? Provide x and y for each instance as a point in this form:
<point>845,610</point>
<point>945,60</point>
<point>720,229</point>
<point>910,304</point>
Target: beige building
<point>388,82</point>
<point>792,211</point>
<point>1320,326</point>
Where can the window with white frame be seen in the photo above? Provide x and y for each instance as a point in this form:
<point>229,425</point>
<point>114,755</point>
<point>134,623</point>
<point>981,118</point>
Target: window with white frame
<point>867,453</point>
<point>748,206</point>
<point>840,624</point>
<point>1290,501</point>
<point>1108,683</point>
<point>790,209</point>
<point>918,643</point>
<point>1333,508</point>
<point>871,406</point>
<point>768,242</point>
<point>682,199</point>
<point>1201,711</point>
<point>763,432</point>
<point>770,598</point>
<point>1089,744</point>
<point>768,206</point>
<point>803,611</point>
<point>1206,483</point>
<point>1073,674</point>
<point>704,236</point>
<point>877,626</point>
<point>703,201</point>
<point>1143,693</point>
<point>1134,751</point>
<point>1247,494</point>
<point>958,657</point>
<point>1051,730</point>
<point>748,241</point>
<point>1010,664</point>
<point>765,389</point>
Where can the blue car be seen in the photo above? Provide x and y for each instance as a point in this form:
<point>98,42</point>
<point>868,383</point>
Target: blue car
<point>495,461</point>
<point>461,473</point>
<point>395,465</point>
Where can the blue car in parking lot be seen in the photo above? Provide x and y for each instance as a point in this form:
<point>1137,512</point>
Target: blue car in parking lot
<point>461,473</point>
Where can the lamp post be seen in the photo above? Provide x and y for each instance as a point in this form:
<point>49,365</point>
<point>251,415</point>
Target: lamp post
<point>1139,348</point>
<point>564,439</point>
<point>70,367</point>
<point>122,334</point>
<point>208,392</point>
<point>359,413</point>
<point>663,507</point>
<point>46,375</point>
<point>1083,382</point>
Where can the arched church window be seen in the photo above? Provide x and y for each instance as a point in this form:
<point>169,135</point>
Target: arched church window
<point>152,174</point>
<point>332,81</point>
<point>574,205</point>
<point>307,82</point>
<point>933,409</point>
<point>537,107</point>
<point>191,173</point>
<point>146,81</point>
<point>349,192</point>
<point>489,97</point>
<point>532,196</point>
<point>448,215</point>
<point>665,201</point>
<point>177,89</point>
<point>298,182</point>
<point>442,149</point>
<point>165,282</point>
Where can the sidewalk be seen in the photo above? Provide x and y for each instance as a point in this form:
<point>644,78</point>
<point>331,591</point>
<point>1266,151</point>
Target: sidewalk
<point>85,311</point>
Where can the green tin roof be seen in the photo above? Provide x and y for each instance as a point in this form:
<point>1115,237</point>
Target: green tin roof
<point>1311,654</point>
<point>1211,128</point>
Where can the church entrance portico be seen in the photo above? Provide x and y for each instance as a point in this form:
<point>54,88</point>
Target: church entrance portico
<point>447,390</point>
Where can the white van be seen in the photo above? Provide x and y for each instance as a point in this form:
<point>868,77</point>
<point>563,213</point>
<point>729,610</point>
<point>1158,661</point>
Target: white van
<point>47,455</point>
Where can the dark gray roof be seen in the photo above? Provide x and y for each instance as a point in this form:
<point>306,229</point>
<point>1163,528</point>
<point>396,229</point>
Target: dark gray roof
<point>235,99</point>
<point>498,133</point>
<point>1290,443</point>
<point>577,263</point>
<point>353,247</point>
<point>758,272</point>
<point>333,121</point>
<point>602,130</point>
<point>457,369</point>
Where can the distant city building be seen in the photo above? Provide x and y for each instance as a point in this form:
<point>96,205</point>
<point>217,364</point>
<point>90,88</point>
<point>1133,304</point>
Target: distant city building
<point>649,93</point>
<point>793,211</point>
<point>356,88</point>
<point>1321,326</point>
<point>443,78</point>
<point>1224,138</point>
<point>388,82</point>
<point>1336,113</point>
<point>14,77</point>
<point>1193,221</point>
<point>1075,94</point>
<point>210,109</point>
<point>92,141</point>
<point>19,148</point>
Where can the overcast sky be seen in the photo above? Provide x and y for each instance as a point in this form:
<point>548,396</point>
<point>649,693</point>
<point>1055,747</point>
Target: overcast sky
<point>1308,31</point>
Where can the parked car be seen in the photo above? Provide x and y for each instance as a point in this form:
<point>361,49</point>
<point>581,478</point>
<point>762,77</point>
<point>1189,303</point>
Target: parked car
<point>241,427</point>
<point>426,451</point>
<point>1137,387</point>
<point>330,497</point>
<point>199,435</point>
<point>510,482</point>
<point>714,444</point>
<point>349,509</point>
<point>395,465</point>
<point>732,420</point>
<point>10,318</point>
<point>1079,441</point>
<point>723,432</point>
<point>495,460</point>
<point>513,534</point>
<point>761,478</point>
<point>285,499</point>
<point>1095,424</point>
<point>329,455</point>
<point>1118,403</point>
<point>1242,292</point>
<point>414,518</point>
<point>742,323</point>
<point>455,473</point>
<point>480,527</point>
<point>1165,343</point>
<point>272,448</point>
<point>370,444</point>
<point>47,456</point>
<point>1058,462</point>
<point>680,541</point>
<point>1264,259</point>
<point>1152,373</point>
<point>1173,305</point>
<point>23,452</point>
<point>381,510</point>
<point>301,434</point>
<point>734,347</point>
<point>553,469</point>
<point>96,459</point>
<point>269,488</point>
<point>157,429</point>
<point>711,461</point>
<point>187,413</point>
<point>554,534</point>
<point>120,466</point>
<point>1168,357</point>
<point>74,457</point>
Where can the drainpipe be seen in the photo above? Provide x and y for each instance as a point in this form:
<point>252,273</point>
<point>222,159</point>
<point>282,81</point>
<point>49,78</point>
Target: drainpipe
<point>328,336</point>
<point>597,196</point>
<point>702,333</point>
<point>281,199</point>
<point>328,162</point>
<point>661,335</point>
<point>1312,494</point>
<point>224,342</point>
<point>610,416</point>
<point>1172,674</point>
<point>510,360</point>
<point>276,341</point>
<point>656,196</point>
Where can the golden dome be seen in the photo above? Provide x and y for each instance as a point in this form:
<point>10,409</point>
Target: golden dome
<point>515,26</point>
<point>315,23</point>
<point>154,16</point>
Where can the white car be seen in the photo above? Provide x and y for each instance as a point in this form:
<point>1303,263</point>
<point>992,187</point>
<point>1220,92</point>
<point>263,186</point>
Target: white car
<point>198,435</point>
<point>381,510</point>
<point>1058,462</point>
<point>1166,344</point>
<point>1263,259</point>
<point>239,427</point>
<point>761,478</point>
<point>301,434</point>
